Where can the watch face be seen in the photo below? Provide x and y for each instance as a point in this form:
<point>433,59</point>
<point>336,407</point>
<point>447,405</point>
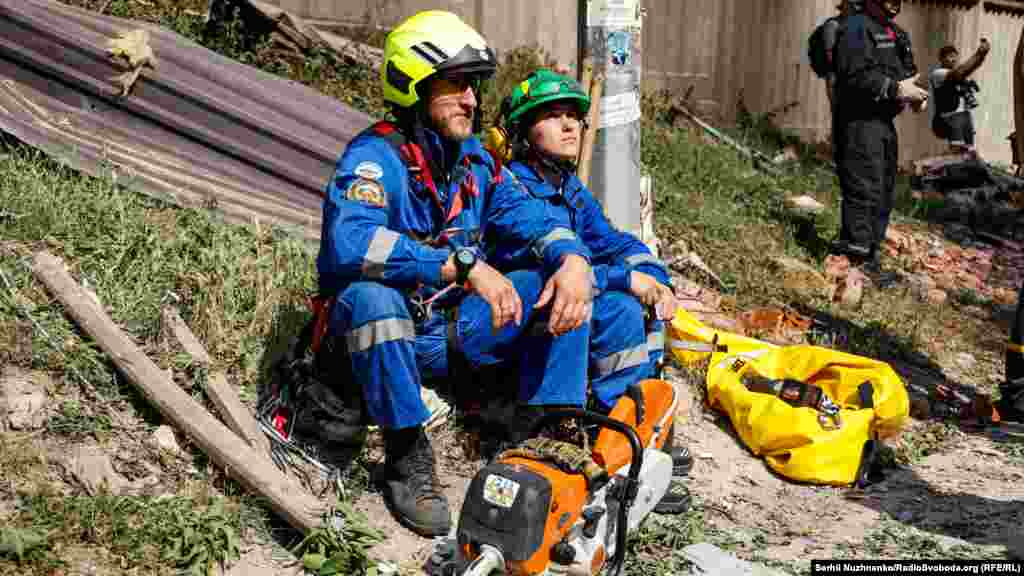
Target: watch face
<point>466,257</point>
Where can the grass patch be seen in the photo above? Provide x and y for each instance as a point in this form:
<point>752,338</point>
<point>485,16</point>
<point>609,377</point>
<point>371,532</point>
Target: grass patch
<point>76,419</point>
<point>931,438</point>
<point>654,550</point>
<point>340,548</point>
<point>712,198</point>
<point>138,254</point>
<point>24,463</point>
<point>892,539</point>
<point>159,535</point>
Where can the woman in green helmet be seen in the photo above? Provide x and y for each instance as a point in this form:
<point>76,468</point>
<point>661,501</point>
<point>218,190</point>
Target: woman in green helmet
<point>542,121</point>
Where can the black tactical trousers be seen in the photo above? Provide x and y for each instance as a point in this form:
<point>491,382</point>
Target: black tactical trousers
<point>866,158</point>
<point>1014,384</point>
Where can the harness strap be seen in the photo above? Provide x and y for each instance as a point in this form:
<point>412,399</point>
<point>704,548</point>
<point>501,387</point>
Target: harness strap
<point>792,392</point>
<point>416,162</point>
<point>320,306</point>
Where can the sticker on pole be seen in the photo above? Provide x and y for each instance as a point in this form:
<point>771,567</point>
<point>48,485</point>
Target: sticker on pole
<point>620,47</point>
<point>613,13</point>
<point>500,491</point>
<point>620,109</point>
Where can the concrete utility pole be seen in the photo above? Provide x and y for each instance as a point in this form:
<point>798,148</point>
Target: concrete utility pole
<point>609,34</point>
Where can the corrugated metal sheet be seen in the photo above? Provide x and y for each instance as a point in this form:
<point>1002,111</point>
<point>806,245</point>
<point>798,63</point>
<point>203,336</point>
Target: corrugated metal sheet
<point>201,128</point>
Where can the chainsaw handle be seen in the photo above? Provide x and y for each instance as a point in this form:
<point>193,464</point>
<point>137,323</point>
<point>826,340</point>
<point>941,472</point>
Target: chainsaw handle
<point>636,459</point>
<point>633,477</point>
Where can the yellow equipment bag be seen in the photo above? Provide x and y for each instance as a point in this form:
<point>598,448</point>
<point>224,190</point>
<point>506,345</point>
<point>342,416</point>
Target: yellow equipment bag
<point>693,342</point>
<point>815,414</point>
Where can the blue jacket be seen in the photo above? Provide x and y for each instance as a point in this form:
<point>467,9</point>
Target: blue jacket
<point>376,216</point>
<point>614,254</point>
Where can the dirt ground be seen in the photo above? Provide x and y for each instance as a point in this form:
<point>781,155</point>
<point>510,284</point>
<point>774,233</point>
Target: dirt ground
<point>966,499</point>
<point>957,493</point>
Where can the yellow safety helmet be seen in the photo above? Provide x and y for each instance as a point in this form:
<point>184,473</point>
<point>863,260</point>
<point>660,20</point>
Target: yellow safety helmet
<point>429,43</point>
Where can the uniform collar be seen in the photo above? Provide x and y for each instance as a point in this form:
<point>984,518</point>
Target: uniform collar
<point>469,148</point>
<point>527,173</point>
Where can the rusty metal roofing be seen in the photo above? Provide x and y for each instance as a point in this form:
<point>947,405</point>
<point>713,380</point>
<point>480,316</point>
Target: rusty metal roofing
<point>199,128</point>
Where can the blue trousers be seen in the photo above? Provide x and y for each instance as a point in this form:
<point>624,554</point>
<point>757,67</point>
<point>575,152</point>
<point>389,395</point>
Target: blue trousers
<point>390,355</point>
<point>624,347</point>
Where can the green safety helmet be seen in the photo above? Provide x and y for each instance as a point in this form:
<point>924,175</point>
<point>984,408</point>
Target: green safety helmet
<point>540,88</point>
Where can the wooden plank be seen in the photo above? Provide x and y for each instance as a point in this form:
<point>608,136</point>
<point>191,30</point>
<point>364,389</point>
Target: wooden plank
<point>236,415</point>
<point>286,497</point>
<point>590,136</point>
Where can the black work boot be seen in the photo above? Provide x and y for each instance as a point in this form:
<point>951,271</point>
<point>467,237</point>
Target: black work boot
<point>408,479</point>
<point>882,278</point>
<point>854,252</point>
<point>564,429</point>
<point>1011,402</point>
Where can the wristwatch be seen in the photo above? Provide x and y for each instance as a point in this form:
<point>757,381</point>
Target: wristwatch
<point>465,259</point>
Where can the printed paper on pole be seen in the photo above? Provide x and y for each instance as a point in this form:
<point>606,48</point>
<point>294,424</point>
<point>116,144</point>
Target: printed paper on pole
<point>613,13</point>
<point>619,109</point>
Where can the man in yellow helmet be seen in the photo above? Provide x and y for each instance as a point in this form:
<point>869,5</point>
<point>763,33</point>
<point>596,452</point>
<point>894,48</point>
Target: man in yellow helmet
<point>406,213</point>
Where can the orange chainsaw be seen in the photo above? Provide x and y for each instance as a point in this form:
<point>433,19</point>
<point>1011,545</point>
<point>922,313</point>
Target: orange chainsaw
<point>547,507</point>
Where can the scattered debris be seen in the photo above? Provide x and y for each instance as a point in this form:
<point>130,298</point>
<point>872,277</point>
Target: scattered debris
<point>847,280</point>
<point>775,325</point>
<point>761,161</point>
<point>163,439</point>
<point>690,263</point>
<point>22,398</point>
<point>801,278</point>
<point>938,265</point>
<point>936,297</point>
<point>288,32</point>
<point>132,46</point>
<point>1004,296</point>
<point>704,304</point>
<point>788,154</point>
<point>284,495</point>
<point>966,361</point>
<point>804,206</point>
<point>971,192</point>
<point>237,416</point>
<point>944,399</point>
<point>91,467</point>
<point>713,561</point>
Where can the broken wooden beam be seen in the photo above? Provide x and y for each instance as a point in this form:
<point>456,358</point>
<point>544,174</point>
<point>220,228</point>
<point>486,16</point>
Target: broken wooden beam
<point>255,472</point>
<point>761,161</point>
<point>236,415</point>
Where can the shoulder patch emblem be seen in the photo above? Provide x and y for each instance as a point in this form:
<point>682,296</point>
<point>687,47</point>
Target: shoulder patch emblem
<point>367,191</point>
<point>369,171</point>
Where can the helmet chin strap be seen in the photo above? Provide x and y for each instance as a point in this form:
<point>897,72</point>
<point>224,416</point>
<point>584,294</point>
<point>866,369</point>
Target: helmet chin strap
<point>550,164</point>
<point>420,120</point>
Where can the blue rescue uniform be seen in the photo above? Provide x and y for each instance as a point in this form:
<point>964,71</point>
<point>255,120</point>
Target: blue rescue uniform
<point>385,238</point>
<point>624,348</point>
